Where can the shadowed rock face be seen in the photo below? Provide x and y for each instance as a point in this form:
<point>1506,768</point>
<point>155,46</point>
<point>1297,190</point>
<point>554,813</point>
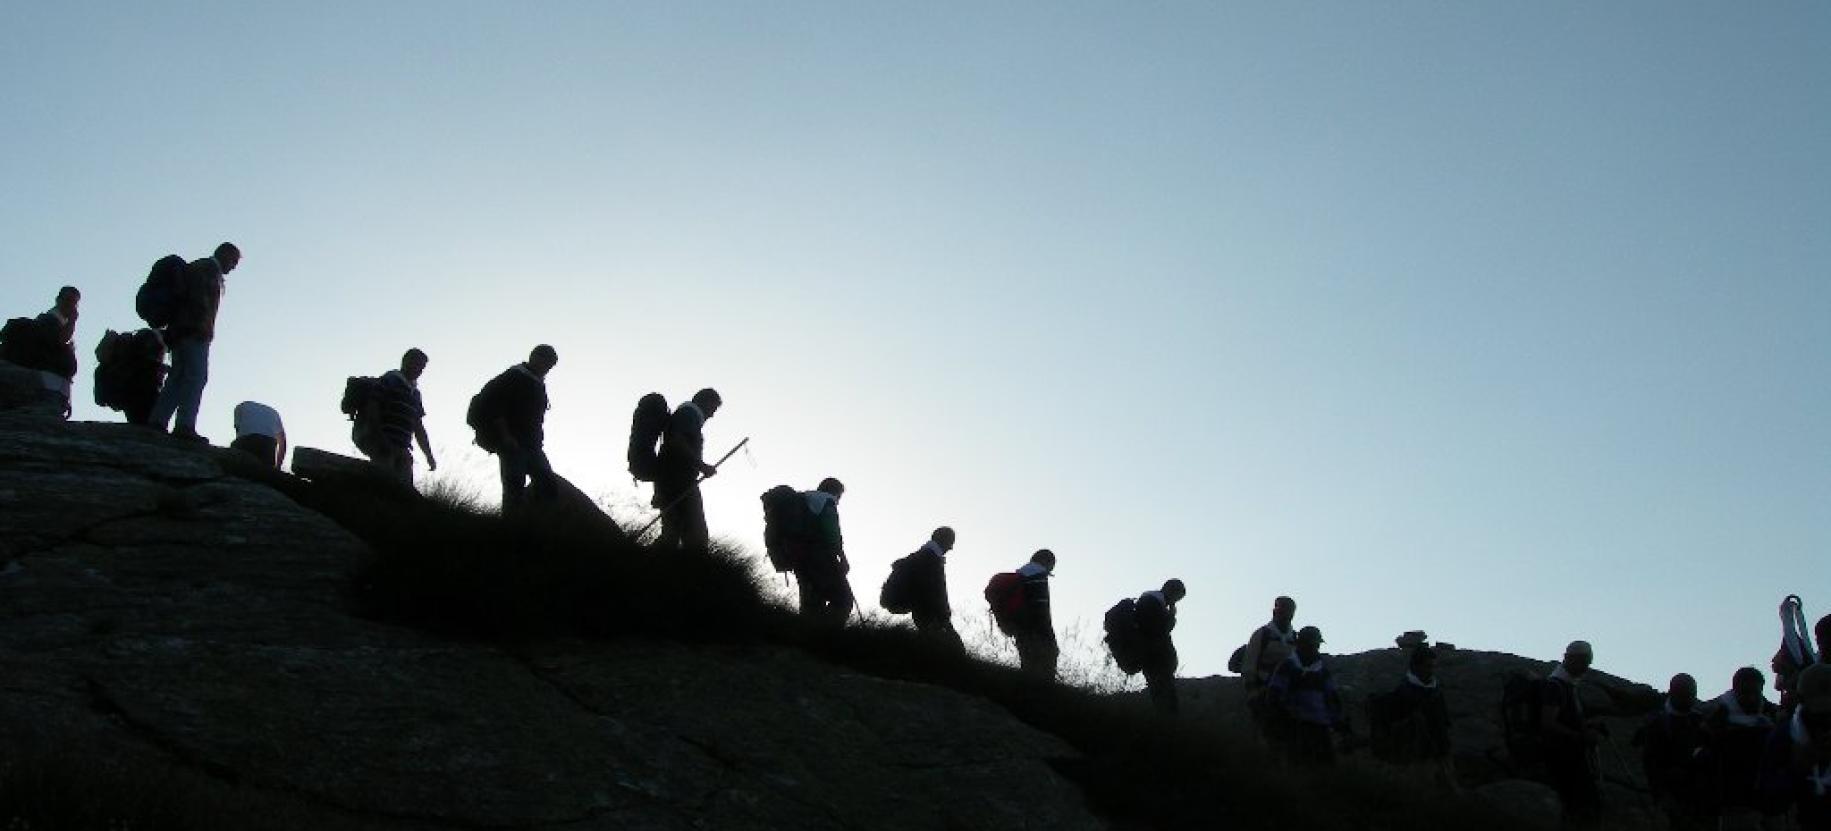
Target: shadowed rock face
<point>156,608</point>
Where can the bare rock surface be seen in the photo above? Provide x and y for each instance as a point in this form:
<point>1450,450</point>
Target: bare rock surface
<point>155,606</point>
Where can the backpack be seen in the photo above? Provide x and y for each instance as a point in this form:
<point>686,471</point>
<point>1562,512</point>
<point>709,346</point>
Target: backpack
<point>1522,703</point>
<point>646,425</point>
<point>362,397</point>
<point>1005,594</point>
<point>157,300</point>
<point>895,595</point>
<point>126,363</point>
<point>1122,636</point>
<point>24,341</point>
<point>1236,663</point>
<point>478,415</point>
<point>787,524</point>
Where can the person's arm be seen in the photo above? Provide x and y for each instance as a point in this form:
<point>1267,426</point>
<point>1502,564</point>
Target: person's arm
<point>279,449</point>
<point>419,434</point>
<point>835,541</point>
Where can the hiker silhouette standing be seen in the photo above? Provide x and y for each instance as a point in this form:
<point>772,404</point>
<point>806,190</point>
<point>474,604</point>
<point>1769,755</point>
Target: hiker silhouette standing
<point>681,466</point>
<point>1033,626</point>
<point>1302,693</point>
<point>1265,650</point>
<point>820,564</point>
<point>1154,617</point>
<point>400,417</point>
<point>1669,743</point>
<point>188,334</point>
<point>259,433</point>
<point>1568,738</point>
<point>918,585</point>
<point>509,415</point>
<point>46,343</point>
<point>1736,729</point>
<point>1796,763</point>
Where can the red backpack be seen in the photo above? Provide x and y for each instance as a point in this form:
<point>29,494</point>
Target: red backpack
<point>1005,593</point>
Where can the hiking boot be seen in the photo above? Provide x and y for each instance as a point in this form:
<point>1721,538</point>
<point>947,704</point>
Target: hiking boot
<point>189,436</point>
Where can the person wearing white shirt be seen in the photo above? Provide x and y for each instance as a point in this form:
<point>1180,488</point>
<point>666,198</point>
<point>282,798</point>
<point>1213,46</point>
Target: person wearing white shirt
<point>259,433</point>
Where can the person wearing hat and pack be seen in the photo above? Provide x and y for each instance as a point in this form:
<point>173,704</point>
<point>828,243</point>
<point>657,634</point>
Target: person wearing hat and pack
<point>1034,627</point>
<point>1154,615</point>
<point>1569,740</point>
<point>1796,769</point>
<point>1303,699</point>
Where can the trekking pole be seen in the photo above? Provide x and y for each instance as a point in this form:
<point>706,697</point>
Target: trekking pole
<point>682,497</point>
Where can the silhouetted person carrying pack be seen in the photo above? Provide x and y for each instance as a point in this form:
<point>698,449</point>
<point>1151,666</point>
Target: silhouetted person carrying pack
<point>1138,635</point>
<point>396,418</point>
<point>183,302</point>
<point>1267,647</point>
<point>917,585</point>
<point>1670,743</point>
<point>1567,740</point>
<point>509,415</point>
<point>129,371</point>
<point>820,563</point>
<point>1020,606</point>
<point>680,467</point>
<point>1796,764</point>
<point>260,433</point>
<point>1736,729</point>
<point>1303,696</point>
<point>46,343</point>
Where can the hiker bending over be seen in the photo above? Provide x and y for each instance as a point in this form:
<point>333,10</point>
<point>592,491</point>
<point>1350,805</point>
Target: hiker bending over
<point>259,433</point>
<point>681,466</point>
<point>1796,766</point>
<point>1569,740</point>
<point>1265,650</point>
<point>1670,742</point>
<point>46,343</point>
<point>399,418</point>
<point>188,334</point>
<point>917,585</point>
<point>1736,728</point>
<point>820,563</point>
<point>1032,626</point>
<point>1155,617</point>
<point>509,416</point>
<point>1302,695</point>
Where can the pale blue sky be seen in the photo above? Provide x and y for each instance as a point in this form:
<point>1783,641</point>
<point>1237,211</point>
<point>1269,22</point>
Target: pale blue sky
<point>1504,321</point>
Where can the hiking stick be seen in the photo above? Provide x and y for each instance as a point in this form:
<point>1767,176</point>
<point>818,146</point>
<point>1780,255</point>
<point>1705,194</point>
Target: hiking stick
<point>688,492</point>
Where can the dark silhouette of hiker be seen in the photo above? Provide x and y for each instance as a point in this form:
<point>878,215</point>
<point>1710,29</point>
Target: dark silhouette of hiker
<point>45,344</point>
<point>1736,729</point>
<point>401,416</point>
<point>681,466</point>
<point>1568,738</point>
<point>820,564</point>
<point>1154,617</point>
<point>1265,650</point>
<point>259,433</point>
<point>926,586</point>
<point>1796,763</point>
<point>188,336</point>
<point>1411,723</point>
<point>1302,693</point>
<point>1033,627</point>
<point>129,370</point>
<point>513,413</point>
<point>1670,743</point>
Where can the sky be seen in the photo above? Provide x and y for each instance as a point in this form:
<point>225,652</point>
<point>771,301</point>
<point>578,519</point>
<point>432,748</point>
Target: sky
<point>1507,322</point>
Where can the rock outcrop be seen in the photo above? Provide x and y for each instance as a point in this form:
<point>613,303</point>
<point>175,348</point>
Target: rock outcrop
<point>157,608</point>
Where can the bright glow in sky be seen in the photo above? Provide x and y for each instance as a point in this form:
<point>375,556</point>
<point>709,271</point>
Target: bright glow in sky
<point>1503,321</point>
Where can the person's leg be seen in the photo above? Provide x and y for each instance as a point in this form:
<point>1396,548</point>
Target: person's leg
<point>514,479</point>
<point>693,531</point>
<point>541,485</point>
<point>186,421</point>
<point>1162,685</point>
<point>807,582</point>
<point>176,384</point>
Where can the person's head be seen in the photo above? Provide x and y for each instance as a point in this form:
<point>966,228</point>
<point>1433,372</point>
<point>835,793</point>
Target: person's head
<point>708,401</point>
<point>1814,691</point>
<point>1681,692</point>
<point>67,298</point>
<point>413,363</point>
<point>1423,662</point>
<point>1748,684</point>
<point>1577,658</point>
<point>943,538</point>
<point>228,256</point>
<point>1284,610</point>
<point>832,487</point>
<point>1045,558</point>
<point>1309,643</point>
<point>1823,633</point>
<point>1174,590</point>
<point>543,359</point>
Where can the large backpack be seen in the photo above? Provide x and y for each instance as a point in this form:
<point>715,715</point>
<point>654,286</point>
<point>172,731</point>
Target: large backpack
<point>787,524</point>
<point>483,409</point>
<point>1005,594</point>
<point>126,363</point>
<point>1522,702</point>
<point>895,596</point>
<point>1121,626</point>
<point>362,397</point>
<point>158,298</point>
<point>646,425</point>
<point>24,341</point>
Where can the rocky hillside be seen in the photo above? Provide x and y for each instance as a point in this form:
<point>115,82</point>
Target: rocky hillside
<point>159,613</point>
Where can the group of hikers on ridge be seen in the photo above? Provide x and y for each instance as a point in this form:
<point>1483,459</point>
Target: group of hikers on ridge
<point>1735,761</point>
